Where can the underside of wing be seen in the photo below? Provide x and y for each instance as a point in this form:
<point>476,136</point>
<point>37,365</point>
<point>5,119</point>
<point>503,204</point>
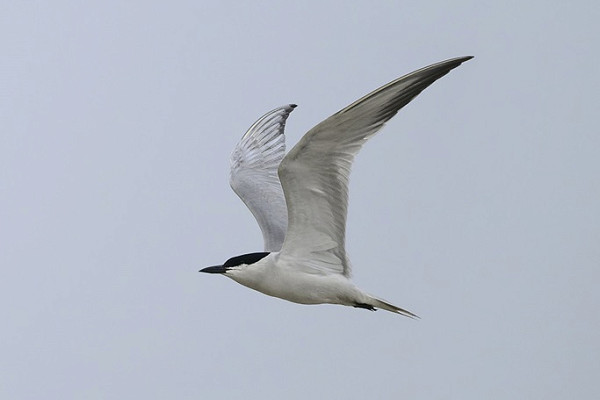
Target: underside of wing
<point>254,178</point>
<point>315,173</point>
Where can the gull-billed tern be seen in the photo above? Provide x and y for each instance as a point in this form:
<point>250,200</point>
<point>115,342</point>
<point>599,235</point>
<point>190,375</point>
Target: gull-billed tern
<point>300,201</point>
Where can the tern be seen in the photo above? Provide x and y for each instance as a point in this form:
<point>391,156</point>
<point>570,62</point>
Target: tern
<point>300,200</point>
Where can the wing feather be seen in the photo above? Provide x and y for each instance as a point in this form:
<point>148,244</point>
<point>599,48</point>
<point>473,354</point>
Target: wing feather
<point>315,173</point>
<point>253,175</point>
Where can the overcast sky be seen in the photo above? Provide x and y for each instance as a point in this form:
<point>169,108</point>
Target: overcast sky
<point>477,206</point>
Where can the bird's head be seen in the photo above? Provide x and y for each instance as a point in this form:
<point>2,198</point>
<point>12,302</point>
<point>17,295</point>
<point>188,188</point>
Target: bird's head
<point>233,262</point>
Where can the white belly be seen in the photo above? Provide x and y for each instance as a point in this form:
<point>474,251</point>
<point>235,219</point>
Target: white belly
<point>298,286</point>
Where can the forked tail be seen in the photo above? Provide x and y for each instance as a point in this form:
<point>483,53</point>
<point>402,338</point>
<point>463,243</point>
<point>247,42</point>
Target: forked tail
<point>377,303</point>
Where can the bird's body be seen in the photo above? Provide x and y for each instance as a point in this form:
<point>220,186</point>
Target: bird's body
<point>300,200</point>
<point>290,282</point>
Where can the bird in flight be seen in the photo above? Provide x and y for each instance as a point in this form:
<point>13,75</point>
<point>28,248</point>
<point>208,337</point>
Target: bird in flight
<point>300,200</point>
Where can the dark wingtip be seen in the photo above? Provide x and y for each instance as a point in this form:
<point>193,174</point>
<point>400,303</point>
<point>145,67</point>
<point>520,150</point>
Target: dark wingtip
<point>459,60</point>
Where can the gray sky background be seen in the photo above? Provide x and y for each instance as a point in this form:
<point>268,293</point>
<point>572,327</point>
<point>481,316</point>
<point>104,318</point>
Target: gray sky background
<point>477,207</point>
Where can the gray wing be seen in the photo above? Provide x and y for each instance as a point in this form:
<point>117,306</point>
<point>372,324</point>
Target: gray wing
<point>253,175</point>
<point>315,173</point>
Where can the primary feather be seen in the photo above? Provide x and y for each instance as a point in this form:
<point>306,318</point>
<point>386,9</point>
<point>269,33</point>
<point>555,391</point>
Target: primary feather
<point>315,173</point>
<point>253,175</point>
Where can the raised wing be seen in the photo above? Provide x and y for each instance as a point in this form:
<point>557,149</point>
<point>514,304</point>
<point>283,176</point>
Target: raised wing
<point>315,173</point>
<point>253,175</point>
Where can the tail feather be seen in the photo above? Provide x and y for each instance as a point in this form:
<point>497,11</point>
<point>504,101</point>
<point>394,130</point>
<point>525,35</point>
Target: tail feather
<point>378,303</point>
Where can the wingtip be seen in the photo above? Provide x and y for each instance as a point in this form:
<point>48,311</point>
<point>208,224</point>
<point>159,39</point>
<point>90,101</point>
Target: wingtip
<point>288,108</point>
<point>457,60</point>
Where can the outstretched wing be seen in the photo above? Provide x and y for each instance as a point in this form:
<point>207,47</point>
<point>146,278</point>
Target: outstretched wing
<point>315,173</point>
<point>253,175</point>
